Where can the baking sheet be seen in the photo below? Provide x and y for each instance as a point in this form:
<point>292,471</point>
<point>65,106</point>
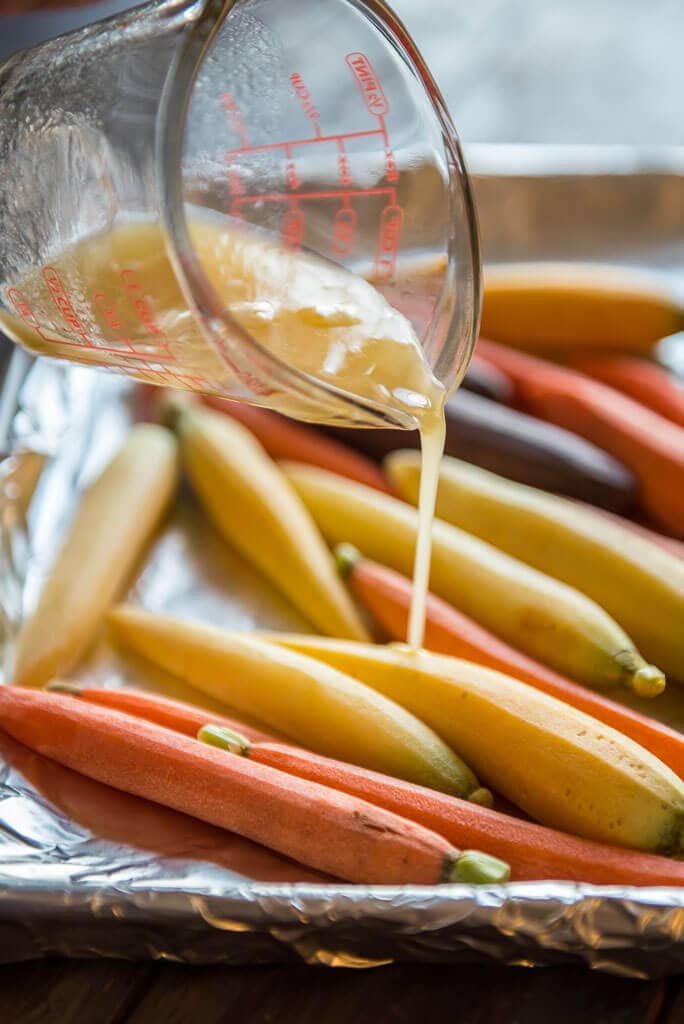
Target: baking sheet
<point>87,871</point>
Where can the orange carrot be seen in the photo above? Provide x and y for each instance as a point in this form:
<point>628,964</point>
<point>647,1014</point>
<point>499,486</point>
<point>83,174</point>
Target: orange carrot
<point>284,439</point>
<point>324,828</point>
<point>533,851</point>
<point>643,381</point>
<point>650,445</point>
<point>172,714</point>
<point>387,596</point>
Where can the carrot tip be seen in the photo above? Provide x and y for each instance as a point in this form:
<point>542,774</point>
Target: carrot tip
<point>346,556</point>
<point>64,686</point>
<point>224,738</point>
<point>647,681</point>
<point>476,868</point>
<point>482,797</point>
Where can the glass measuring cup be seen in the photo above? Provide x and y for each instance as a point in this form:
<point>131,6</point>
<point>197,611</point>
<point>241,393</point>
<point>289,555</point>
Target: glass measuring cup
<point>315,128</point>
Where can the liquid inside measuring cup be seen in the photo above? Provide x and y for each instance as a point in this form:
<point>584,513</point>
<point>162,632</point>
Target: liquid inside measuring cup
<point>114,300</point>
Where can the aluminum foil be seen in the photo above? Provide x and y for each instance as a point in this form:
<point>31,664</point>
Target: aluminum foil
<point>88,871</point>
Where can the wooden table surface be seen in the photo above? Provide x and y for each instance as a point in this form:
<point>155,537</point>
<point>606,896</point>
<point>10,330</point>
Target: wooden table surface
<point>115,992</point>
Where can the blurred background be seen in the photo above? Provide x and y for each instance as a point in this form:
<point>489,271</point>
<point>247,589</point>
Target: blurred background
<point>514,71</point>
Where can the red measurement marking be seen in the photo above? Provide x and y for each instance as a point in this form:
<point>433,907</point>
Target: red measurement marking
<point>144,311</point>
<point>252,383</point>
<point>24,311</point>
<point>150,375</point>
<point>109,313</point>
<point>391,169</point>
<point>232,109</point>
<point>234,183</point>
<point>302,142</point>
<point>344,231</point>
<point>343,168</point>
<point>391,172</point>
<point>303,94</point>
<point>368,83</point>
<point>291,171</point>
<point>256,386</point>
<point>187,380</point>
<point>389,239</point>
<point>140,368</point>
<point>285,197</point>
<point>132,353</point>
<point>292,229</point>
<point>59,296</point>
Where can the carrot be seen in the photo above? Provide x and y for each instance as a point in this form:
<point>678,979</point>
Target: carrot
<point>533,851</point>
<point>650,445</point>
<point>642,380</point>
<point>520,447</point>
<point>387,596</point>
<point>284,439</point>
<point>485,380</point>
<point>321,827</point>
<point>172,714</point>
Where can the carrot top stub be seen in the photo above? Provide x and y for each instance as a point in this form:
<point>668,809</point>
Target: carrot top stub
<point>313,824</point>
<point>471,866</point>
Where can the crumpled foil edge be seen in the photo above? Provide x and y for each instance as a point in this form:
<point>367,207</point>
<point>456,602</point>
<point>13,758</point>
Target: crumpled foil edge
<point>631,932</point>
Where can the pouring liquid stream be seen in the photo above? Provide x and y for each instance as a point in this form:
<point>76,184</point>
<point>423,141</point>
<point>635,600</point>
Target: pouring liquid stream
<point>114,300</point>
<point>432,436</point>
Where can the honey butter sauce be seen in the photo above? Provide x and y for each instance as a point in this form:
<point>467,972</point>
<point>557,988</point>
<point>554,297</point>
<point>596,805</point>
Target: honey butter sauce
<point>114,300</point>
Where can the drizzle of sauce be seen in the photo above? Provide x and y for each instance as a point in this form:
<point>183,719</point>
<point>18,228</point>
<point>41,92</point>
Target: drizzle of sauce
<point>114,300</point>
<point>432,434</point>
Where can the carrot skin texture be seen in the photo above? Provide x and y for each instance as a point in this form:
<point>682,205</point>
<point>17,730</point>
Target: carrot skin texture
<point>386,594</point>
<point>171,714</point>
<point>650,445</point>
<point>321,827</point>
<point>645,382</point>
<point>284,439</point>
<point>533,851</point>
